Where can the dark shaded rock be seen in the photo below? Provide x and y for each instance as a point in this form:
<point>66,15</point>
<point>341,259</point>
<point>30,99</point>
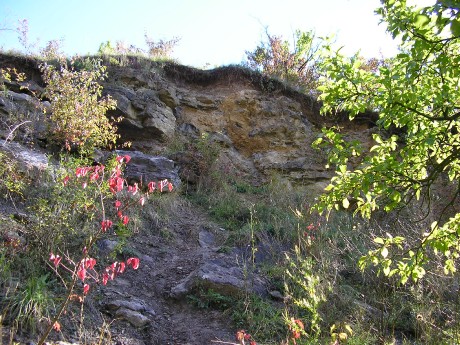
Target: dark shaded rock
<point>222,278</point>
<point>145,168</point>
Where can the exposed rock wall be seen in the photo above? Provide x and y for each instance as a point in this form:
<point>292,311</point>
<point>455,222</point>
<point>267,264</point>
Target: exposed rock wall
<point>262,124</point>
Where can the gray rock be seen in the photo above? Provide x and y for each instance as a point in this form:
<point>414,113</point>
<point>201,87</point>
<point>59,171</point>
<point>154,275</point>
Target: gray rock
<point>146,168</point>
<point>159,119</point>
<point>206,239</point>
<point>34,162</point>
<point>138,306</point>
<point>132,311</point>
<point>133,317</point>
<point>276,295</point>
<point>144,109</point>
<point>221,277</point>
<point>168,97</point>
<point>106,246</point>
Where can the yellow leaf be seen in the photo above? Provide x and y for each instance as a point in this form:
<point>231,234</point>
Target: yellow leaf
<point>343,336</point>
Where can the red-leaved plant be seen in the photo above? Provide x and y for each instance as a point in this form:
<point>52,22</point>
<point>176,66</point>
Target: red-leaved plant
<point>242,337</point>
<point>83,271</point>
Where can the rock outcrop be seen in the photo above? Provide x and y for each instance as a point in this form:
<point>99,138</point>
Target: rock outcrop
<point>258,124</point>
<point>261,124</point>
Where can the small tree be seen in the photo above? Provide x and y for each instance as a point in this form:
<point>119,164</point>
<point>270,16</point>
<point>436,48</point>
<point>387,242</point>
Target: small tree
<point>417,97</point>
<point>78,112</point>
<point>295,64</point>
<point>160,49</point>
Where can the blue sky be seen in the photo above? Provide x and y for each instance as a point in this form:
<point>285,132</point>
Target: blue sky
<point>213,32</point>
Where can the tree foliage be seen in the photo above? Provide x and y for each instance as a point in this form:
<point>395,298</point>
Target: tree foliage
<point>417,97</point>
<point>294,64</point>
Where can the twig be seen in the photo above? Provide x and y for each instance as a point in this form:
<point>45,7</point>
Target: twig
<point>223,342</point>
<point>12,131</point>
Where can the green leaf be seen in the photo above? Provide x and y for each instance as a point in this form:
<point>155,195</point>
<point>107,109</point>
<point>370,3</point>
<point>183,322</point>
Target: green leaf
<point>421,20</point>
<point>379,240</point>
<point>384,252</point>
<point>455,27</point>
<point>386,270</point>
<point>345,203</point>
<point>348,328</point>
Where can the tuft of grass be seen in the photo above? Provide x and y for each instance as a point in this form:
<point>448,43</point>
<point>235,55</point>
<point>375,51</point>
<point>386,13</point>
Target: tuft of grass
<point>208,298</point>
<point>30,303</point>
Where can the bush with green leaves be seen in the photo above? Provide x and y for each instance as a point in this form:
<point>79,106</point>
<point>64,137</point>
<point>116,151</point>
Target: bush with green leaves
<point>78,112</point>
<point>416,96</point>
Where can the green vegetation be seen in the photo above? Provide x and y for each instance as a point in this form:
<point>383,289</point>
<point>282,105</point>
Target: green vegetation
<point>416,96</point>
<point>78,113</point>
<point>324,274</point>
<point>295,64</point>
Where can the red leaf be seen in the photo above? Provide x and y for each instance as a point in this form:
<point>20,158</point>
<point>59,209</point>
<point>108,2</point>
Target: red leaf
<point>127,159</point>
<point>56,259</point>
<point>151,186</point>
<point>94,176</point>
<point>106,224</point>
<point>81,273</point>
<point>117,204</point>
<point>105,278</point>
<point>300,324</point>
<point>90,263</point>
<point>121,267</point>
<point>133,189</point>
<point>85,289</point>
<point>125,220</point>
<point>57,326</point>
<point>113,266</point>
<point>133,262</point>
<point>119,184</point>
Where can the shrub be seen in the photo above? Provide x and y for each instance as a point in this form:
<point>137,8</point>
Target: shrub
<point>160,49</point>
<point>295,64</point>
<point>78,113</point>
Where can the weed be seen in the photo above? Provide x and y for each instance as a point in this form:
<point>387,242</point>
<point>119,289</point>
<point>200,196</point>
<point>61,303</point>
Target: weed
<point>262,317</point>
<point>208,298</point>
<point>31,304</point>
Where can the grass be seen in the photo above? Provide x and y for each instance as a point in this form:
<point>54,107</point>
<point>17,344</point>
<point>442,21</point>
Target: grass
<point>377,308</point>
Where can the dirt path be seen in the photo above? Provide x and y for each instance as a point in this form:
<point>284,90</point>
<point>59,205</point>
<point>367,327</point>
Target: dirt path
<point>168,255</point>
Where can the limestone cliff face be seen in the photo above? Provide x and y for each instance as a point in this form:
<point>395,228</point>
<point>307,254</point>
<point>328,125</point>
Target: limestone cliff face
<point>262,125</point>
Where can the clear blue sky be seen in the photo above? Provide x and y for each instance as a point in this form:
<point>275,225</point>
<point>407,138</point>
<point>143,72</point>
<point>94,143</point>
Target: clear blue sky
<point>212,31</point>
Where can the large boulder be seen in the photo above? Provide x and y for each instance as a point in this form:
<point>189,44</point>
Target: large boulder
<point>144,168</point>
